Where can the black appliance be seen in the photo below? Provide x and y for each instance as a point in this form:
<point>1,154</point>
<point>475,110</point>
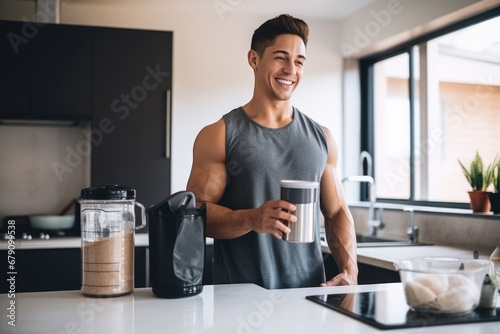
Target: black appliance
<point>177,246</point>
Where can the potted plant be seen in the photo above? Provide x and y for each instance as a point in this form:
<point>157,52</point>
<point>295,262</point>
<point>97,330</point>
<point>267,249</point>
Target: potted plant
<point>495,196</point>
<point>489,292</point>
<point>479,179</point>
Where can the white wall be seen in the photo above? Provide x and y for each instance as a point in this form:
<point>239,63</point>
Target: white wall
<point>385,23</point>
<point>40,171</point>
<point>210,73</point>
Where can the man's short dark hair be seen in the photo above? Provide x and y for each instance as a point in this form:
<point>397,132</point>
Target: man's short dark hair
<point>265,35</point>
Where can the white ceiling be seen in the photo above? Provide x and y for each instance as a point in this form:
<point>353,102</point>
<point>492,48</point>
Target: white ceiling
<point>322,9</point>
<point>307,9</point>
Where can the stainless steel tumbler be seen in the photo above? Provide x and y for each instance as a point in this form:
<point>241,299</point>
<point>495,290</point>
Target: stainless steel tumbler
<point>304,195</point>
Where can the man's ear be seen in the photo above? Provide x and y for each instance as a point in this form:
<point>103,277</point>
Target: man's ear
<point>252,58</point>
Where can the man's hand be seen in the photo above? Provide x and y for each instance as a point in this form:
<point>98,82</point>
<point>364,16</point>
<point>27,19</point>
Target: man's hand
<point>342,279</point>
<point>269,217</point>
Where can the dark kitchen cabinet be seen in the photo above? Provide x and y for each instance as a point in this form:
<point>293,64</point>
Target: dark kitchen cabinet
<point>45,270</point>
<point>45,71</point>
<point>58,269</point>
<point>141,267</point>
<point>373,275</point>
<point>367,274</point>
<point>119,78</point>
<point>15,70</point>
<point>132,76</point>
<point>331,268</point>
<point>207,267</point>
<point>62,70</point>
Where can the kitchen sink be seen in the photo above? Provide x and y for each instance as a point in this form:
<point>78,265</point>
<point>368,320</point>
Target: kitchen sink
<point>374,241</point>
<point>369,238</point>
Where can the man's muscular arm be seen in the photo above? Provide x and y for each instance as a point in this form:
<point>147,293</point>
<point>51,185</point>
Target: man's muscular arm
<point>208,180</point>
<point>339,224</point>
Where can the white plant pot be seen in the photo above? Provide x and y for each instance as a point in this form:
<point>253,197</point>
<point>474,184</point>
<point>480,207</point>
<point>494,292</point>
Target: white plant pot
<point>489,296</point>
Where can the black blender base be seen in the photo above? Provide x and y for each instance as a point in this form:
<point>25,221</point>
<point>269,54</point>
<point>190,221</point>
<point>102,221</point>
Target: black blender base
<point>177,292</point>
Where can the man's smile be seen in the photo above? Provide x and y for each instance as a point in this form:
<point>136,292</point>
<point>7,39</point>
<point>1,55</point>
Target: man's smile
<point>285,82</point>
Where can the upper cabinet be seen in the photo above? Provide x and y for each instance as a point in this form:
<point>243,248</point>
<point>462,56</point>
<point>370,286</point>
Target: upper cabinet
<point>62,72</point>
<point>46,71</point>
<point>119,79</point>
<point>132,78</point>
<point>15,70</point>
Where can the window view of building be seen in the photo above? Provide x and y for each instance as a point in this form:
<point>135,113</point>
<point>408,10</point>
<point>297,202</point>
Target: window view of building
<point>392,127</point>
<point>445,110</point>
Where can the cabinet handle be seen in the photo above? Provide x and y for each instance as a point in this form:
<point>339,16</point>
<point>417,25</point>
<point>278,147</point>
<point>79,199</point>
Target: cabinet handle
<point>167,124</point>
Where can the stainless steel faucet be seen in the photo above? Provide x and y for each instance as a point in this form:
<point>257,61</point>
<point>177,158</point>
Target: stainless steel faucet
<point>364,155</point>
<point>373,223</point>
<point>412,230</point>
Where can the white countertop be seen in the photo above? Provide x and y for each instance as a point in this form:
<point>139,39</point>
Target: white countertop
<point>384,257</point>
<point>220,309</point>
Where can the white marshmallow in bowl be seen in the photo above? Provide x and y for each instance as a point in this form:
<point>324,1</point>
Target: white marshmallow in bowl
<point>457,299</point>
<point>418,294</point>
<point>437,284</point>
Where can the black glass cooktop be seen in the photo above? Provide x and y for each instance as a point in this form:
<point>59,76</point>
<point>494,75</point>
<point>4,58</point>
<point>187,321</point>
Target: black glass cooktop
<point>388,310</point>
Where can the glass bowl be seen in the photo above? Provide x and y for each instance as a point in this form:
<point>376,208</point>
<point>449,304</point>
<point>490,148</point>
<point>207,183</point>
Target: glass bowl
<point>442,285</point>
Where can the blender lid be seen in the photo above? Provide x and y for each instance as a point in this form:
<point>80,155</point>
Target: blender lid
<point>175,203</point>
<point>108,192</point>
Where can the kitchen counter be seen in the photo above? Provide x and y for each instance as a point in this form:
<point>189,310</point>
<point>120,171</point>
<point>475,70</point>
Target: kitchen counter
<point>219,309</point>
<point>384,257</point>
<point>141,240</point>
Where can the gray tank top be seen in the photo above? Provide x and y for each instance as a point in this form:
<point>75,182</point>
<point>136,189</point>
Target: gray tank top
<point>257,158</point>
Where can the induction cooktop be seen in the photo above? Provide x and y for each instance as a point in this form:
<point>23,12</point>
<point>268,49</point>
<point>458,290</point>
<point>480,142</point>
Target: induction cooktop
<point>388,310</point>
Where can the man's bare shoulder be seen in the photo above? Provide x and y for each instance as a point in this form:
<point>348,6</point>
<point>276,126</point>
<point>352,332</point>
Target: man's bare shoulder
<point>213,130</point>
<point>333,152</point>
<point>210,142</point>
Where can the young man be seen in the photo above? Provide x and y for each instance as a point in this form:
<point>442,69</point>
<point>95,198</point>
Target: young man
<point>238,163</point>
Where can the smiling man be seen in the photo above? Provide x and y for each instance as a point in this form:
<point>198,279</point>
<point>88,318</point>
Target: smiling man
<point>238,163</point>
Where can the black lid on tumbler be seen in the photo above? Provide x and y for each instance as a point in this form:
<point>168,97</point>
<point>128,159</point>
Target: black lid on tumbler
<point>298,191</point>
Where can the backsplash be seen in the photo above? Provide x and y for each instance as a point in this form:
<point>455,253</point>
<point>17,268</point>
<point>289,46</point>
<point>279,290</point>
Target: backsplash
<point>41,168</point>
<point>469,231</point>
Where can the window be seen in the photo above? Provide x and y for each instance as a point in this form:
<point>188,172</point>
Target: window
<point>427,105</point>
<point>392,126</point>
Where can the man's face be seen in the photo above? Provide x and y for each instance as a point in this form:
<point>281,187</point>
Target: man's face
<point>279,70</point>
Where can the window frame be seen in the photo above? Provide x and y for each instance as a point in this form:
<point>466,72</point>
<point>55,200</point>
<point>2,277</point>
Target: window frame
<point>367,126</point>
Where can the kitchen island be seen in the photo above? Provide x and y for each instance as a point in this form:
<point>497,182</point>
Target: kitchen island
<point>33,257</point>
<point>221,309</point>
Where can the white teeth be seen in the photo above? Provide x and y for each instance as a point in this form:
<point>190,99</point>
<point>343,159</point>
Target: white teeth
<point>284,82</point>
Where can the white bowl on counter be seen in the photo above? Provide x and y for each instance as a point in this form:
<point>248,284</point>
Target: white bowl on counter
<point>52,222</point>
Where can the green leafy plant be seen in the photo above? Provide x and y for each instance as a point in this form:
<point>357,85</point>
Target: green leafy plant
<point>496,176</point>
<point>478,178</point>
<point>492,279</point>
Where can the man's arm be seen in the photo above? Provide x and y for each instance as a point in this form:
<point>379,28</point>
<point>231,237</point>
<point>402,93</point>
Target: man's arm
<point>339,224</point>
<point>208,181</point>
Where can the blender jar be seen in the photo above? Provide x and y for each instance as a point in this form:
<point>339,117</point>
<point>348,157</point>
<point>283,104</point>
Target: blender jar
<point>107,228</point>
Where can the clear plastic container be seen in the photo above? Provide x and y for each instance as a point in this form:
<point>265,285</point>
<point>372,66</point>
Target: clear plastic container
<point>442,285</point>
<point>107,229</point>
